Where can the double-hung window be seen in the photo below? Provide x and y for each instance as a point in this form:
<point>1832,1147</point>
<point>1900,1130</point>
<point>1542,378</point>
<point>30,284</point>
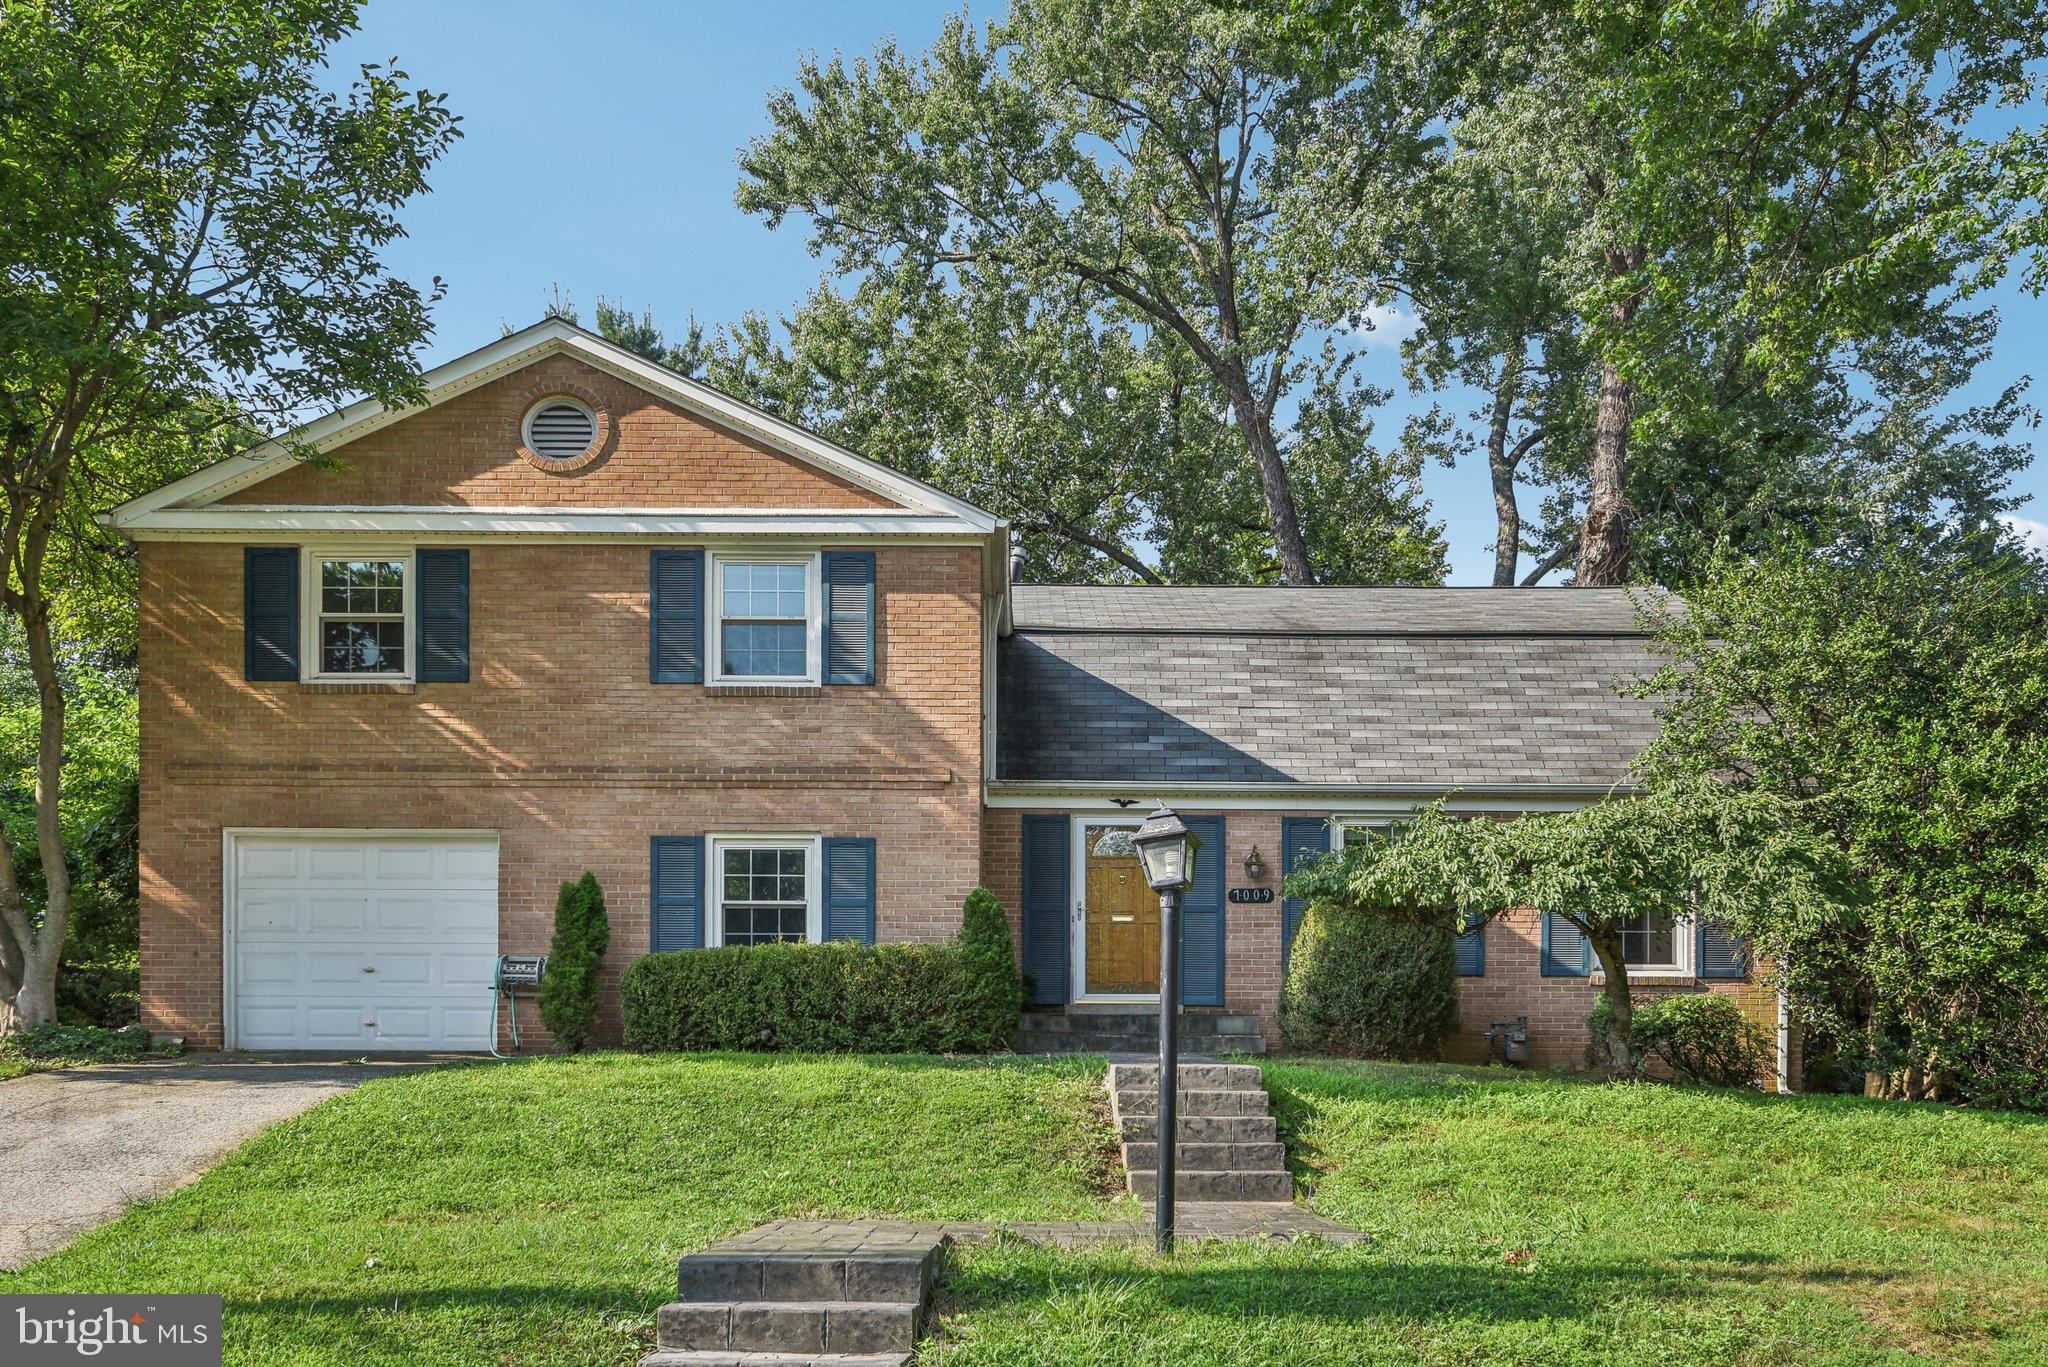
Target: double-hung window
<point>359,616</point>
<point>1650,940</point>
<point>765,619</point>
<point>765,891</point>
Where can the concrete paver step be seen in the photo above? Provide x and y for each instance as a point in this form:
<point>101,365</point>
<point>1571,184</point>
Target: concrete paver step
<point>1216,1186</point>
<point>1204,1101</point>
<point>1197,1157</point>
<point>721,1357</point>
<point>733,1275</point>
<point>789,1326</point>
<point>1203,1129</point>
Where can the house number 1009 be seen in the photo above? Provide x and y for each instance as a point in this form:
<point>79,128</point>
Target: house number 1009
<point>1244,895</point>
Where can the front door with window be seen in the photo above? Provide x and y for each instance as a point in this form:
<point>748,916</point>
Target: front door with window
<point>1122,917</point>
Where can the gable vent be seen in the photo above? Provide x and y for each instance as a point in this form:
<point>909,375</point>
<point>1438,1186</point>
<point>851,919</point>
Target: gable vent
<point>560,430</point>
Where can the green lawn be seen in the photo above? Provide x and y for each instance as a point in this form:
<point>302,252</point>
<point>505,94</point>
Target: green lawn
<point>532,1212</point>
<point>1525,1219</point>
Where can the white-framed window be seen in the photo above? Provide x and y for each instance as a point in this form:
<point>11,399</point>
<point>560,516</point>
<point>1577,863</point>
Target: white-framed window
<point>1655,942</point>
<point>359,615</point>
<point>766,627</point>
<point>765,889</point>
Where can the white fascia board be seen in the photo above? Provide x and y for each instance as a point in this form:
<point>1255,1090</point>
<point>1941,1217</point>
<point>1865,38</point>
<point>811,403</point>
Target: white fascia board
<point>1345,799</point>
<point>544,524</point>
<point>515,352</point>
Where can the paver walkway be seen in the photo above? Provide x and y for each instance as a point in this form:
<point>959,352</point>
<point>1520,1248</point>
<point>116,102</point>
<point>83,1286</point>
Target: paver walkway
<point>84,1144</point>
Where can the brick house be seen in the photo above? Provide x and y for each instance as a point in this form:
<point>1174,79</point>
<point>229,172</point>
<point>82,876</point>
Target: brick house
<point>578,611</point>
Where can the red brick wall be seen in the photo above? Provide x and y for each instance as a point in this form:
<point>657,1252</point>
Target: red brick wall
<point>1511,986</point>
<point>652,454</point>
<point>559,743</point>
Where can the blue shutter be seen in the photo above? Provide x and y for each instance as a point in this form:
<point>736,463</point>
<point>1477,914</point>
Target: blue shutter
<point>1302,838</point>
<point>850,888</point>
<point>1471,949</point>
<point>1202,917</point>
<point>442,599</point>
<point>270,613</point>
<point>1722,954</point>
<point>1566,952</point>
<point>677,920</point>
<point>675,616</point>
<point>849,617</point>
<point>1046,856</point>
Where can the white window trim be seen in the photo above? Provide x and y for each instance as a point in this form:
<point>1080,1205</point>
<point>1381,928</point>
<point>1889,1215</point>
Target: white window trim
<point>309,612</point>
<point>814,879</point>
<point>814,618</point>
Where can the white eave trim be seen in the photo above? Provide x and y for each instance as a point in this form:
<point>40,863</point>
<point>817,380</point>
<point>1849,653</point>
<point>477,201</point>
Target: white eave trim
<point>1347,799</point>
<point>249,520</point>
<point>523,348</point>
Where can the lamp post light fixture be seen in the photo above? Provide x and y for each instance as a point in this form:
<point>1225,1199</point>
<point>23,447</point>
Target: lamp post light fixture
<point>1167,849</point>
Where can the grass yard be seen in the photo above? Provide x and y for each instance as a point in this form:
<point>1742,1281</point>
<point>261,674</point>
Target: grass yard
<point>532,1213</point>
<point>1527,1219</point>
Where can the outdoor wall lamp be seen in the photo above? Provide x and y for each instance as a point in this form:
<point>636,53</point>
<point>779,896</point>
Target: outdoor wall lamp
<point>1167,848</point>
<point>1255,865</point>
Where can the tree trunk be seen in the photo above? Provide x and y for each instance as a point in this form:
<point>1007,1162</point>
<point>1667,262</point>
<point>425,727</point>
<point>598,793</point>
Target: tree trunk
<point>1604,539</point>
<point>1507,542</point>
<point>1621,1010</point>
<point>35,1001</point>
<point>1282,517</point>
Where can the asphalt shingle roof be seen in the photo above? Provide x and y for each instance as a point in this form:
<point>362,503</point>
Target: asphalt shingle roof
<point>1437,687</point>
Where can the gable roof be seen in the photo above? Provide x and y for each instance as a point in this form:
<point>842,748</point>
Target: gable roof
<point>170,506</point>
<point>1391,689</point>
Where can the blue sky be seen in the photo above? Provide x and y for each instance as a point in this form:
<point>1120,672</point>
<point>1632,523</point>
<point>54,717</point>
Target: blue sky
<point>598,150</point>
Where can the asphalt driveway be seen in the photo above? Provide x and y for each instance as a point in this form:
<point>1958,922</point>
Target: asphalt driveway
<point>86,1143</point>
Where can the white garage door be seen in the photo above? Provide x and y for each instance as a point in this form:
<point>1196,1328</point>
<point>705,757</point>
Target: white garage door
<point>351,941</point>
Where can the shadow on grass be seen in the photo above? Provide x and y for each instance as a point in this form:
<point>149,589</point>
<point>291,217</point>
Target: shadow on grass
<point>1346,1288</point>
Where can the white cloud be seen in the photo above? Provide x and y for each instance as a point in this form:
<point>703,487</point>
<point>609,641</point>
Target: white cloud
<point>1383,325</point>
<point>2033,535</point>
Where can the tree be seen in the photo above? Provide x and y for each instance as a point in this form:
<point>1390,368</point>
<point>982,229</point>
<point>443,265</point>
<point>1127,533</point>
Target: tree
<point>1683,849</point>
<point>1182,167</point>
<point>1763,183</point>
<point>569,989</point>
<point>1895,700</point>
<point>190,227</point>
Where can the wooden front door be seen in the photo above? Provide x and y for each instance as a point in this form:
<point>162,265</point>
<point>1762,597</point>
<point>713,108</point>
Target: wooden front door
<point>1123,920</point>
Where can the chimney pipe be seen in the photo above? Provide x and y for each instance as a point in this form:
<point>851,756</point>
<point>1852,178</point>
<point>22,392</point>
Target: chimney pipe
<point>1016,567</point>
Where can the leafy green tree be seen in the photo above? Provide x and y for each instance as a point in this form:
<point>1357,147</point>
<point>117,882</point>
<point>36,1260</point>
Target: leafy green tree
<point>570,987</point>
<point>1895,701</point>
<point>1725,195</point>
<point>190,222</point>
<point>1181,167</point>
<point>1692,848</point>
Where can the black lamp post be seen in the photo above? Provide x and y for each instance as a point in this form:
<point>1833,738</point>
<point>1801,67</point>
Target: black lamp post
<point>1167,850</point>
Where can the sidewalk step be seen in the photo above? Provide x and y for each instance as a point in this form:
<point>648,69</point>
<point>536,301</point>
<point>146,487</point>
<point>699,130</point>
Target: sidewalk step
<point>1234,1077</point>
<point>789,1326</point>
<point>1270,1157</point>
<point>1140,1101</point>
<point>726,1357</point>
<point>735,1276</point>
<point>1216,1186</point>
<point>1204,1129</point>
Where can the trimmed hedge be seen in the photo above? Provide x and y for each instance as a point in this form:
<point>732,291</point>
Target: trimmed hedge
<point>1369,985</point>
<point>961,997</point>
